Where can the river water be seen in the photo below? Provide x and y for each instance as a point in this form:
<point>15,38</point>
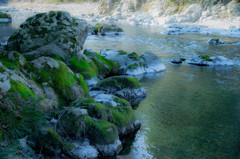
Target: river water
<point>191,112</point>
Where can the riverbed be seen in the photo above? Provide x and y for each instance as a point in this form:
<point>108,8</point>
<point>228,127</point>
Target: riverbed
<point>190,111</point>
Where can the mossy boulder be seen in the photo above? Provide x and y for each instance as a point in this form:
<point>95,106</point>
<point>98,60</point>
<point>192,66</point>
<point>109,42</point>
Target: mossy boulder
<point>59,76</point>
<point>178,60</point>
<point>122,116</point>
<point>124,87</point>
<point>133,64</point>
<point>49,34</point>
<point>73,122</point>
<point>14,79</point>
<point>47,141</point>
<point>105,66</point>
<point>107,29</point>
<point>206,57</point>
<point>206,60</point>
<point>215,42</point>
<point>86,68</point>
<point>104,135</point>
<point>5,18</point>
<point>101,132</point>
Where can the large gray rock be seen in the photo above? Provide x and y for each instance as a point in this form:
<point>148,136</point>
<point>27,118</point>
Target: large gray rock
<point>50,34</point>
<point>133,64</point>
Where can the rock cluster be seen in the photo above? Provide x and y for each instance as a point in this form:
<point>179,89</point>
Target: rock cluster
<point>45,62</point>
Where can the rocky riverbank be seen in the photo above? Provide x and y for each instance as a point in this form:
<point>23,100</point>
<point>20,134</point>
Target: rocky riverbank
<point>44,65</point>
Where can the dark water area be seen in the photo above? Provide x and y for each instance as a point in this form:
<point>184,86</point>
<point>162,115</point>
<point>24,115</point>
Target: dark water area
<point>190,112</point>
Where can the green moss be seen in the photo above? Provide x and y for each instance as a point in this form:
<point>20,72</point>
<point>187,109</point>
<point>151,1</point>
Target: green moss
<point>121,52</point>
<point>97,26</point>
<point>120,82</point>
<point>182,59</point>
<point>100,111</point>
<point>83,84</point>
<point>121,101</point>
<point>87,70</point>
<point>101,132</point>
<point>39,15</point>
<point>105,67</point>
<point>19,115</point>
<point>83,102</point>
<point>4,15</point>
<point>2,69</point>
<point>133,66</point>
<point>206,57</point>
<point>120,116</point>
<point>13,62</point>
<point>18,87</point>
<point>68,146</point>
<point>1,134</point>
<point>52,138</point>
<point>133,56</point>
<point>61,79</point>
<point>73,122</point>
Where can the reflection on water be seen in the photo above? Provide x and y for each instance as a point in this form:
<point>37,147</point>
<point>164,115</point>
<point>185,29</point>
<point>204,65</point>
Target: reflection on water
<point>190,112</point>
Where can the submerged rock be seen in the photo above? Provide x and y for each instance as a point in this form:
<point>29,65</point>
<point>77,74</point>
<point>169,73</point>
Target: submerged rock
<point>5,18</point>
<point>215,42</point>
<point>178,60</point>
<point>133,64</point>
<point>206,60</point>
<point>107,29</point>
<point>54,34</point>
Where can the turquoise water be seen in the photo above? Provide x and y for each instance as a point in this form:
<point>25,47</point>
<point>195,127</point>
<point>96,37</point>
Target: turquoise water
<point>190,112</point>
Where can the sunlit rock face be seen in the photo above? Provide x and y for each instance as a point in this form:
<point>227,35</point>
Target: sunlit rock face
<point>50,34</point>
